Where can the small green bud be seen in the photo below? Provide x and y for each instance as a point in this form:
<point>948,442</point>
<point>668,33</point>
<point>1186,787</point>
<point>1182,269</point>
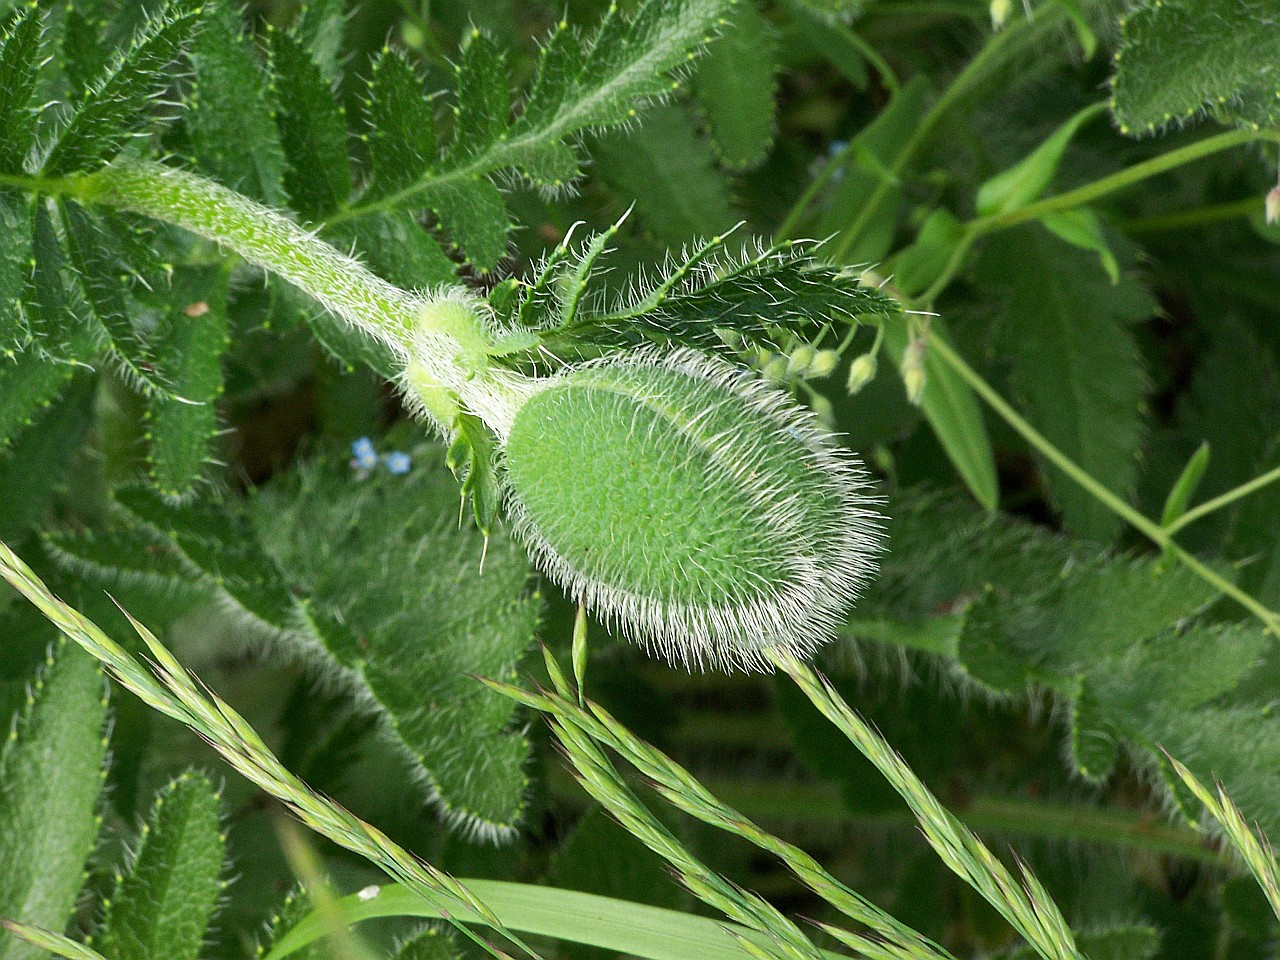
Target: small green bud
<point>913,375</point>
<point>823,410</point>
<point>824,363</point>
<point>800,361</point>
<point>686,502</point>
<point>775,369</point>
<point>861,372</point>
<point>1000,11</point>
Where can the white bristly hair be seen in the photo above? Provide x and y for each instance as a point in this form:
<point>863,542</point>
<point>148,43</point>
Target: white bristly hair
<point>828,564</point>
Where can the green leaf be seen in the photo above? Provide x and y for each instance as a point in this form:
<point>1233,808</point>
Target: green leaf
<point>435,941</point>
<point>51,773</point>
<point>953,412</point>
<point>15,265</point>
<point>880,141</point>
<point>313,131</point>
<point>1026,180</point>
<point>1183,58</point>
<point>126,557</point>
<point>481,115</point>
<point>668,170</point>
<point>1175,505</point>
<point>100,273</point>
<point>117,106</point>
<point>1082,228</point>
<point>39,460</point>
<point>19,66</point>
<point>735,87</point>
<point>474,216</point>
<point>229,117</point>
<point>472,457</point>
<point>297,907</point>
<point>164,901</point>
<point>401,127</point>
<point>405,613</point>
<point>181,425</point>
<point>396,248</point>
<point>319,29</point>
<point>924,261</point>
<point>1076,368</point>
<point>216,545</point>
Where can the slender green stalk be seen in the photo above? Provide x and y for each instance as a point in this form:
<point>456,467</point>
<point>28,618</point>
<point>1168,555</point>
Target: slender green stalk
<point>1190,219</point>
<point>1011,38</point>
<point>1230,497</point>
<point>1022,901</point>
<point>55,943</point>
<point>1152,530</point>
<point>169,689</point>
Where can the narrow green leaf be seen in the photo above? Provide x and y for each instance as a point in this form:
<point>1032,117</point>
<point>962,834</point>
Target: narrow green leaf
<point>163,902</point>
<point>881,140</point>
<point>481,116</point>
<point>51,773</point>
<point>474,217</point>
<point>118,104</point>
<point>19,65</point>
<point>313,131</point>
<point>229,119</point>
<point>924,261</point>
<point>1026,180</point>
<point>181,424</point>
<point>1175,505</point>
<point>400,122</point>
<point>1181,58</point>
<point>668,170</point>
<point>1082,228</point>
<point>735,88</point>
<point>953,412</point>
<point>1076,368</point>
<point>407,615</point>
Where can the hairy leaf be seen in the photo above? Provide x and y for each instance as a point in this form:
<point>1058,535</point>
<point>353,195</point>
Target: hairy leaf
<point>434,942</point>
<point>1180,58</point>
<point>667,169</point>
<point>229,120</point>
<point>1076,367</point>
<point>481,114</point>
<point>163,902</point>
<point>313,131</point>
<point>405,612</point>
<point>735,87</point>
<point>117,106</point>
<point>181,424</point>
<point>400,122</point>
<point>474,216</point>
<point>19,64</point>
<point>51,772</point>
<point>396,248</point>
<point>15,264</point>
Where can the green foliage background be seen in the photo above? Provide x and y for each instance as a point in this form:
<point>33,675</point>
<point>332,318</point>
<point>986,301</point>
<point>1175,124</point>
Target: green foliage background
<point>176,431</point>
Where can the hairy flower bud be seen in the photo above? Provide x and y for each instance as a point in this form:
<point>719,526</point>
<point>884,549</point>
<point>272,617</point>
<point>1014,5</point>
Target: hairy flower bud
<point>691,505</point>
<point>861,372</point>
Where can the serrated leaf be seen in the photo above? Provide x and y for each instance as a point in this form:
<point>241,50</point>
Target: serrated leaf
<point>295,908</point>
<point>125,557</point>
<point>38,461</point>
<point>28,384</point>
<point>952,410</point>
<point>118,103</point>
<point>319,28</point>
<point>1180,58</point>
<point>1026,180</point>
<point>164,902</point>
<point>181,424</point>
<point>229,119</point>
<point>385,558</point>
<point>481,115</point>
<point>19,65</point>
<point>219,548</point>
<point>352,348</point>
<point>15,264</point>
<point>762,296</point>
<point>433,942</point>
<point>51,773</point>
<point>400,120</point>
<point>101,274</point>
<point>474,217</point>
<point>735,88</point>
<point>1076,368</point>
<point>313,131</point>
<point>667,169</point>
